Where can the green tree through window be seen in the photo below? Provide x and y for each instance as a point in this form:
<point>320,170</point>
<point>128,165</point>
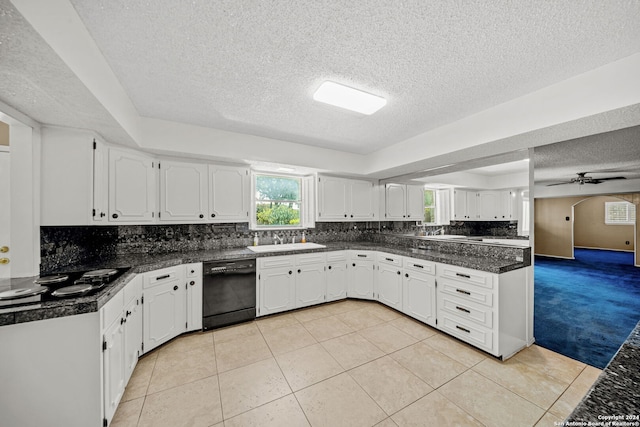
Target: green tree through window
<point>429,206</point>
<point>278,200</point>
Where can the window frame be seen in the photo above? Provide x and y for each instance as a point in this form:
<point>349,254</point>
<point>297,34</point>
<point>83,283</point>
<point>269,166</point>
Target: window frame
<point>303,195</point>
<point>629,208</point>
<point>434,192</point>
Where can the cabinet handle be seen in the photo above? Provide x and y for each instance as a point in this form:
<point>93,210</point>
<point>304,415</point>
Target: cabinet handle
<point>466,276</point>
<point>166,276</point>
<point>354,264</point>
<point>175,288</point>
<point>193,271</point>
<point>399,272</point>
<point>463,329</point>
<point>329,267</point>
<point>463,309</point>
<point>114,216</point>
<point>290,272</point>
<point>406,274</point>
<point>201,216</point>
<point>351,215</point>
<point>462,291</point>
<point>345,215</point>
<point>362,255</point>
<point>102,214</point>
<point>192,282</point>
<point>299,271</point>
<point>418,265</point>
<point>213,215</point>
<point>389,259</point>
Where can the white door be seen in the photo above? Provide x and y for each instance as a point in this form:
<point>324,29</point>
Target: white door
<point>164,313</point>
<point>395,201</point>
<point>5,218</point>
<point>489,205</point>
<point>113,358</point>
<point>183,191</point>
<point>361,279</point>
<point>132,186</point>
<point>332,198</point>
<point>337,280</point>
<point>277,290</point>
<point>229,197</point>
<point>415,202</point>
<point>132,336</point>
<point>420,297</point>
<point>310,285</point>
<point>362,198</point>
<point>390,286</point>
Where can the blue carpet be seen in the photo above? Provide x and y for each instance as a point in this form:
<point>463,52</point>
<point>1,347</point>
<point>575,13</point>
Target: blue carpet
<point>585,308</point>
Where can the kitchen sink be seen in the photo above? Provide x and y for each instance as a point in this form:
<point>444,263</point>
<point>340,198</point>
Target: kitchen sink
<point>285,247</point>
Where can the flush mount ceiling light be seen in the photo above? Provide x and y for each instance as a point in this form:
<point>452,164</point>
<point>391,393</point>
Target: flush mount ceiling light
<point>348,98</point>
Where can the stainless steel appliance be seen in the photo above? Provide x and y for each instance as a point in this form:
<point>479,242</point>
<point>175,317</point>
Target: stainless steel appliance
<point>228,292</point>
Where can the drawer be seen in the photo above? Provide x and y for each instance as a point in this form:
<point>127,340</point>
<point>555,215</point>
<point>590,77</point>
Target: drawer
<point>159,277</point>
<point>466,275</point>
<point>362,255</point>
<point>194,270</point>
<point>315,258</point>
<point>465,292</point>
<point>420,265</point>
<point>112,310</point>
<point>336,256</point>
<point>467,331</point>
<point>390,259</point>
<point>467,310</point>
<point>275,262</point>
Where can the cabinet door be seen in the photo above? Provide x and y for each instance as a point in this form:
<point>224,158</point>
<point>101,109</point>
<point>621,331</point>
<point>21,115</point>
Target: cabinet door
<point>183,191</point>
<point>415,202</point>
<point>362,200</point>
<point>419,294</point>
<point>113,367</point>
<point>337,280</point>
<point>229,197</point>
<point>460,205</point>
<point>194,296</point>
<point>332,198</point>
<point>277,290</point>
<point>132,336</point>
<point>164,313</point>
<point>361,279</point>
<point>100,182</point>
<point>472,205</point>
<point>507,205</point>
<point>131,187</point>
<point>489,205</point>
<point>310,284</point>
<point>389,284</point>
<point>395,201</point>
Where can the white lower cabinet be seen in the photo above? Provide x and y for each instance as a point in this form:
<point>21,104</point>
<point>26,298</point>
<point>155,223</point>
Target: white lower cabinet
<point>133,325</point>
<point>113,363</point>
<point>194,296</point>
<point>288,282</point>
<point>165,306</point>
<point>388,281</point>
<point>337,277</point>
<point>361,269</point>
<point>419,290</point>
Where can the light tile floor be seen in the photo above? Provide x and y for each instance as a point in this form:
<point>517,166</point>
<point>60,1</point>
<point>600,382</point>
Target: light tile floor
<point>350,363</point>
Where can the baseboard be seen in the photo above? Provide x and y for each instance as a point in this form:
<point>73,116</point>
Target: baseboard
<point>604,249</point>
<point>555,256</point>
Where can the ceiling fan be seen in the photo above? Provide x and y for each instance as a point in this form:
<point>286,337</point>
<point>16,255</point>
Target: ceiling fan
<point>583,179</point>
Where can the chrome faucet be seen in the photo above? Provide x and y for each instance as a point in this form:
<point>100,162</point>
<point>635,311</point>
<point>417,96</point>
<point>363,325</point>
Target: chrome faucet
<point>277,239</point>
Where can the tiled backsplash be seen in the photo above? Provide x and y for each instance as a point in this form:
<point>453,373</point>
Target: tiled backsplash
<point>65,246</point>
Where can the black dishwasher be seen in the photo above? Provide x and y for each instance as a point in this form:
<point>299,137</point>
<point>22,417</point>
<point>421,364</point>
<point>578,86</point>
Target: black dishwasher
<point>229,292</point>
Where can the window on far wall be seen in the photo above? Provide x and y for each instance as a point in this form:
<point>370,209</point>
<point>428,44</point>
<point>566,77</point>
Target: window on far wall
<point>429,206</point>
<point>278,200</point>
<point>619,213</point>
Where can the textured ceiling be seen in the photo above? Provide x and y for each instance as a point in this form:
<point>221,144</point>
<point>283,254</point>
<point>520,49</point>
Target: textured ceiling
<point>36,82</point>
<point>604,155</point>
<point>251,66</point>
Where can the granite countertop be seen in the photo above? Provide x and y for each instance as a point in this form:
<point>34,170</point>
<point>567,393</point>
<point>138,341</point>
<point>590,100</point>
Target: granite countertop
<point>140,263</point>
<point>615,396</point>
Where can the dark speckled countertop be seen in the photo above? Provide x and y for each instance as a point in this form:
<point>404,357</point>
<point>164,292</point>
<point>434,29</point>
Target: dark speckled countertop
<point>615,396</point>
<point>140,263</point>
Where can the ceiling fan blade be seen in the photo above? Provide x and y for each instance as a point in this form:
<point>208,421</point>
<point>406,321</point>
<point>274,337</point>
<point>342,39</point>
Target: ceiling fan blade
<point>608,179</point>
<point>560,183</point>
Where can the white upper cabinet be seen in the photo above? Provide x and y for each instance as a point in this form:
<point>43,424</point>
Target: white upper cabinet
<point>472,205</point>
<point>100,182</point>
<point>132,187</point>
<point>229,197</point>
<point>341,199</point>
<point>183,191</point>
<point>508,202</point>
<point>404,202</point>
<point>488,205</point>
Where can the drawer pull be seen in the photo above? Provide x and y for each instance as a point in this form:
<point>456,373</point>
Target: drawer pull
<point>462,291</point>
<point>166,276</point>
<point>466,276</point>
<point>463,309</point>
<point>362,255</point>
<point>418,265</point>
<point>389,259</point>
<point>463,329</point>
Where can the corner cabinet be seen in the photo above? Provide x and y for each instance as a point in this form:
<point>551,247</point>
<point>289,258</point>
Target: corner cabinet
<point>342,199</point>
<point>132,187</point>
<point>404,202</point>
